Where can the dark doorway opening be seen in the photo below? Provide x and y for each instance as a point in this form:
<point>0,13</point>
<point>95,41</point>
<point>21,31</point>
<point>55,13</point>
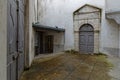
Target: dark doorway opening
<point>49,44</point>
<point>39,43</point>
<point>43,43</point>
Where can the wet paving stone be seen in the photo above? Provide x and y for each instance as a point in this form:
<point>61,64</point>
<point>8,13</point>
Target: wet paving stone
<point>69,66</point>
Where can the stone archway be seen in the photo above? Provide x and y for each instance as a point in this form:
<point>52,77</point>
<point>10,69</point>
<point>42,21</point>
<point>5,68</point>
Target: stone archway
<point>86,38</point>
<point>91,15</point>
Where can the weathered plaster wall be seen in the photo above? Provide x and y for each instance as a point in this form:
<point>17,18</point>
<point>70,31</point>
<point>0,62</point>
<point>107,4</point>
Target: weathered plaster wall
<point>60,13</point>
<point>112,6</point>
<point>110,35</point>
<point>3,39</point>
<point>59,41</point>
<point>32,19</point>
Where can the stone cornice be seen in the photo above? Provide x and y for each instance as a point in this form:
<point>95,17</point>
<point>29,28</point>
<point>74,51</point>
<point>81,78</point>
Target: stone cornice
<point>114,15</point>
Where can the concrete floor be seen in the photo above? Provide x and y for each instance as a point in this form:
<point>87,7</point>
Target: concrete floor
<point>68,66</point>
<point>115,71</point>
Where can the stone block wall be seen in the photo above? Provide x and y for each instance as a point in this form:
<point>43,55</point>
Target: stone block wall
<point>87,15</point>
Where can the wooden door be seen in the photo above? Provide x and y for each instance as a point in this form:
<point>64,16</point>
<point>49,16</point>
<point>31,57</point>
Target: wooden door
<point>40,42</point>
<point>86,39</point>
<point>20,37</point>
<point>49,44</point>
<point>36,43</point>
<point>15,39</point>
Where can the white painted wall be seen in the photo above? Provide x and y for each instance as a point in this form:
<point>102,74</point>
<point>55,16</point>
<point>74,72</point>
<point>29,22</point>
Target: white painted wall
<point>112,5</point>
<point>32,19</point>
<point>3,39</point>
<point>109,37</point>
<point>112,29</point>
<point>60,13</point>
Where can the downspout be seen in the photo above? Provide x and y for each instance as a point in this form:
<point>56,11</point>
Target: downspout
<point>119,40</point>
<point>26,34</point>
<point>37,10</point>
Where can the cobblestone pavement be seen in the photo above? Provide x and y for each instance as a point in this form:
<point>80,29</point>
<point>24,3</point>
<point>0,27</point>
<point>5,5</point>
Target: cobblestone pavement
<point>70,66</point>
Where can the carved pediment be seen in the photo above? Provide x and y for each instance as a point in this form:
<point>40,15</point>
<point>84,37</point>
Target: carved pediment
<point>86,9</point>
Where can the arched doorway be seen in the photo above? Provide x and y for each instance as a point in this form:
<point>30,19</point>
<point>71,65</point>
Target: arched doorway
<point>86,38</point>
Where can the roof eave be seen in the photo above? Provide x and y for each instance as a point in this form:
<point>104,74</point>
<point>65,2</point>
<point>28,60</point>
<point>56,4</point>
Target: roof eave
<point>38,26</point>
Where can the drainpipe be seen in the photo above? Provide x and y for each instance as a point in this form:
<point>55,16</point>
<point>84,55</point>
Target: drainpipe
<point>119,39</point>
<point>37,10</point>
<point>26,34</point>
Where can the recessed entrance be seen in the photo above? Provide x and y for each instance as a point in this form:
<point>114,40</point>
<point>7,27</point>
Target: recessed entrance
<point>86,39</point>
<point>39,43</point>
<point>49,44</point>
<point>43,43</point>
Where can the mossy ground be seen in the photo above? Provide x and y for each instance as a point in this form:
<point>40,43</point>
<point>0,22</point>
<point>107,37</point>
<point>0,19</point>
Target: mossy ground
<point>69,66</point>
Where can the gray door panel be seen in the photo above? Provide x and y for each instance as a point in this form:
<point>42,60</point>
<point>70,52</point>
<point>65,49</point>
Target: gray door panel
<point>21,39</point>
<point>90,43</point>
<point>86,39</point>
<point>15,40</point>
<point>11,41</point>
<point>83,42</point>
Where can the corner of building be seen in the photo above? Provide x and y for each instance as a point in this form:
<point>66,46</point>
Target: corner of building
<point>3,40</point>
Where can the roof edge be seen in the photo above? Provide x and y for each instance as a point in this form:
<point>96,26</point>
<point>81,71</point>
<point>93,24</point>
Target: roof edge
<point>39,26</point>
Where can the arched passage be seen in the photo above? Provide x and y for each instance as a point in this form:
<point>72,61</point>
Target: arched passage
<point>86,38</point>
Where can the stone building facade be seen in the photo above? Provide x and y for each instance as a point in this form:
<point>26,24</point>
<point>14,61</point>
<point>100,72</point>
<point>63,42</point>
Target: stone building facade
<point>106,37</point>
<point>89,15</point>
